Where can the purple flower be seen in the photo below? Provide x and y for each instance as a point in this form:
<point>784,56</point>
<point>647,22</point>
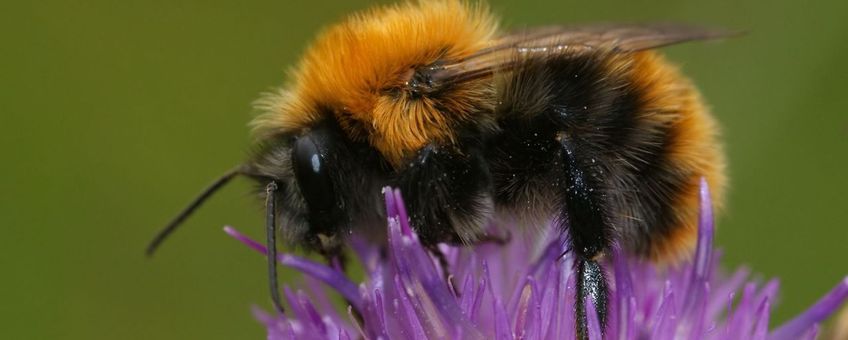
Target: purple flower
<point>522,291</point>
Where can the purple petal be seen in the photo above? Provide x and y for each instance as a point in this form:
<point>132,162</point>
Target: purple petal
<point>815,314</point>
<point>246,240</point>
<point>401,211</point>
<point>500,318</point>
<point>389,196</point>
<point>522,312</point>
<point>355,323</point>
<point>701,268</point>
<point>524,290</point>
<point>328,275</point>
<point>407,312</point>
<point>623,292</point>
<point>319,271</point>
<point>762,321</point>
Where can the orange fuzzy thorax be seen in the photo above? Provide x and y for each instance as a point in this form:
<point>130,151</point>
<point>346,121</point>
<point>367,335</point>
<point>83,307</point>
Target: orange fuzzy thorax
<point>352,68</point>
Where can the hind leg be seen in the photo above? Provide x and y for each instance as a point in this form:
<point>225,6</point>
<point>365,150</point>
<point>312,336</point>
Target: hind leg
<point>588,230</point>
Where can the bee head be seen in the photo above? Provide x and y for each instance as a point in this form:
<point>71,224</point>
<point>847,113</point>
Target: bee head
<point>326,184</point>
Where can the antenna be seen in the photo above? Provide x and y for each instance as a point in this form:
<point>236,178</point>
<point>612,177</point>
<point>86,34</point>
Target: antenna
<point>196,203</point>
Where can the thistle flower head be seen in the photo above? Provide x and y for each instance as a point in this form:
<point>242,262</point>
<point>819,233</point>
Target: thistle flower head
<point>525,291</point>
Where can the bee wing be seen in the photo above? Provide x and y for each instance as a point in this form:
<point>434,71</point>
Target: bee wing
<point>613,36</point>
<point>544,40</point>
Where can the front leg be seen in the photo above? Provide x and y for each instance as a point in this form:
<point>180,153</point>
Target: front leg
<point>448,193</point>
<point>336,258</point>
<point>583,217</point>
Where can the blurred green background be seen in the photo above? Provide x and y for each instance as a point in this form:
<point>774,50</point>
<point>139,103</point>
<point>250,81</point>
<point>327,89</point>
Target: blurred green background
<point>114,114</point>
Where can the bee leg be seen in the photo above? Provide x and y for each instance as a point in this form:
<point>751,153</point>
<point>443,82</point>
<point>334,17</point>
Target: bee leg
<point>500,240</point>
<point>443,263</point>
<point>447,190</point>
<point>271,246</point>
<point>591,288</point>
<point>589,232</point>
<point>336,258</point>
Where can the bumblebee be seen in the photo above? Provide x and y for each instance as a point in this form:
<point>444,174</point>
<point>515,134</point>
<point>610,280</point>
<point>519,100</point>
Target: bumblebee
<point>586,126</point>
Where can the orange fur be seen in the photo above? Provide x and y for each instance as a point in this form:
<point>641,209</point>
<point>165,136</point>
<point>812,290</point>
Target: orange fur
<point>694,150</point>
<point>339,73</point>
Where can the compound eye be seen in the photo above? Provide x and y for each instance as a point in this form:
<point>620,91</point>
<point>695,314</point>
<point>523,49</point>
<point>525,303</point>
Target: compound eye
<point>311,170</point>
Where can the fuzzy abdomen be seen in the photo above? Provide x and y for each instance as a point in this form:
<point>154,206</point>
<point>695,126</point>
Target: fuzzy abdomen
<point>637,128</point>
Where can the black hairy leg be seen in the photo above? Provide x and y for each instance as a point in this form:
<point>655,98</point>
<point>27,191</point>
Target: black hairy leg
<point>337,259</point>
<point>271,244</point>
<point>445,266</point>
<point>500,240</point>
<point>447,192</point>
<point>591,288</point>
<point>527,160</point>
<point>589,232</point>
<point>569,119</point>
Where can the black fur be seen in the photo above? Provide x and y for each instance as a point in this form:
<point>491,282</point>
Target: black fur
<point>600,115</point>
<point>447,191</point>
<point>657,184</point>
<point>356,174</point>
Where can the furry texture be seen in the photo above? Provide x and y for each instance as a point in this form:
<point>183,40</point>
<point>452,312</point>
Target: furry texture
<point>361,67</point>
<point>659,212</point>
<point>356,174</point>
<point>639,129</point>
<point>635,124</point>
